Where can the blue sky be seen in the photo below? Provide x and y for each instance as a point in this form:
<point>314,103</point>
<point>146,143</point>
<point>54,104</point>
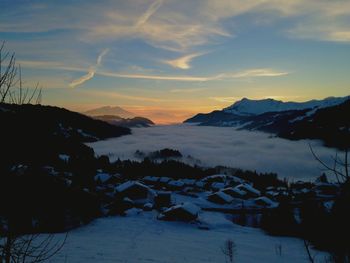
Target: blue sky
<point>169,59</point>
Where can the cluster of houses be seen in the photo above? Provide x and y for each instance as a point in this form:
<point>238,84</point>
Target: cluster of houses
<point>217,191</point>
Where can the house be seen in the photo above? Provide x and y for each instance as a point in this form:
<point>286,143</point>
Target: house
<point>220,198</point>
<point>164,180</point>
<point>134,190</point>
<point>235,192</point>
<point>250,190</point>
<point>189,182</point>
<point>199,184</point>
<point>150,179</point>
<point>265,202</point>
<point>105,178</point>
<point>176,185</point>
<point>326,189</point>
<point>215,178</point>
<point>216,186</point>
<point>162,199</point>
<point>182,212</point>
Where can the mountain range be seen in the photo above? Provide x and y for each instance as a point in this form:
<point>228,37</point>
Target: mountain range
<point>110,110</point>
<point>325,119</point>
<point>117,116</point>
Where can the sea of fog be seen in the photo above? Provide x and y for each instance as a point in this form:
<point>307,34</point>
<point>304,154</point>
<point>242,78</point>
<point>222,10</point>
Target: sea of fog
<point>223,146</point>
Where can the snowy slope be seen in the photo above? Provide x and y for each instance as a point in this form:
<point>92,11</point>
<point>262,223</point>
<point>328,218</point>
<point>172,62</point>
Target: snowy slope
<point>255,107</point>
<point>142,238</point>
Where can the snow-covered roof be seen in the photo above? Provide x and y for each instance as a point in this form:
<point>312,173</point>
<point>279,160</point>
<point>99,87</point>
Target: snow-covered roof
<point>215,176</point>
<point>151,178</point>
<point>128,184</point>
<point>266,200</point>
<point>64,157</point>
<point>248,188</point>
<point>188,207</point>
<point>225,197</point>
<point>164,179</point>
<point>102,177</point>
<point>200,184</point>
<point>236,190</point>
<point>177,183</point>
<point>189,181</point>
<point>236,179</point>
<point>218,186</point>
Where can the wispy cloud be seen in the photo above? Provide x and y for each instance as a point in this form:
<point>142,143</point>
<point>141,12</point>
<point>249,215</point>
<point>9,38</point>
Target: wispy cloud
<point>83,79</point>
<point>251,73</point>
<point>150,11</point>
<point>225,99</point>
<point>154,77</point>
<point>182,62</point>
<point>91,72</point>
<point>187,90</point>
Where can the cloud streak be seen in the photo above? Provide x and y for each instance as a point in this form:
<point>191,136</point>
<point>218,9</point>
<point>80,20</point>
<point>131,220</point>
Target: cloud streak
<point>150,11</point>
<point>182,62</point>
<point>250,73</point>
<point>91,72</point>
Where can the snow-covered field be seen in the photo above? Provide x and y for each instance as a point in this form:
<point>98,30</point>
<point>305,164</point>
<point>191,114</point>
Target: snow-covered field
<point>142,238</point>
<point>223,146</point>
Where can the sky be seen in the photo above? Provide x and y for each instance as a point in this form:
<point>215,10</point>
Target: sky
<point>167,59</point>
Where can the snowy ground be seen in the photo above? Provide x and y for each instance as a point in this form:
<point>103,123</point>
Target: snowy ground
<point>223,146</point>
<point>142,238</point>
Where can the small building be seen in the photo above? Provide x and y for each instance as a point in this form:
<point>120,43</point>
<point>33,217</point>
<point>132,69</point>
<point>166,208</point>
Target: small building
<point>150,179</point>
<point>250,190</point>
<point>164,180</point>
<point>162,199</point>
<point>189,182</point>
<point>105,178</point>
<point>265,202</point>
<point>235,192</point>
<point>176,185</point>
<point>216,186</point>
<point>326,189</point>
<point>215,178</point>
<point>134,190</point>
<point>220,198</point>
<point>182,212</point>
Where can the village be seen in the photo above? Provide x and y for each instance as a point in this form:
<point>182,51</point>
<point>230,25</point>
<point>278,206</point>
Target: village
<point>183,199</point>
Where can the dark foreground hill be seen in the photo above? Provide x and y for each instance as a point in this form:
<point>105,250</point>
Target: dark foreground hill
<point>46,170</point>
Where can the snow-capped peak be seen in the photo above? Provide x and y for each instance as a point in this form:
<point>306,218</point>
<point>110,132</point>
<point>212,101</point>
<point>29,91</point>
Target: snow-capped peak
<point>255,107</point>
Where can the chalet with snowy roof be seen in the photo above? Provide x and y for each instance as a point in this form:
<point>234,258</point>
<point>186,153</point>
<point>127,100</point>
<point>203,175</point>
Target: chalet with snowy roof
<point>164,180</point>
<point>265,202</point>
<point>134,190</point>
<point>175,185</point>
<point>250,190</point>
<point>216,186</point>
<point>215,178</point>
<point>220,198</point>
<point>326,189</point>
<point>235,192</point>
<point>182,212</point>
<point>189,182</point>
<point>150,179</point>
<point>162,199</point>
<point>105,178</point>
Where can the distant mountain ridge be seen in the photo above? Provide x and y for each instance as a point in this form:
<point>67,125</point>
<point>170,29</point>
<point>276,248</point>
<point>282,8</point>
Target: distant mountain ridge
<point>125,122</point>
<point>110,110</point>
<point>326,119</point>
<point>256,107</point>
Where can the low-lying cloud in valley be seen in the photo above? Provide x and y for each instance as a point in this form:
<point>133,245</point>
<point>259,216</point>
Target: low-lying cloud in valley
<point>224,146</point>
